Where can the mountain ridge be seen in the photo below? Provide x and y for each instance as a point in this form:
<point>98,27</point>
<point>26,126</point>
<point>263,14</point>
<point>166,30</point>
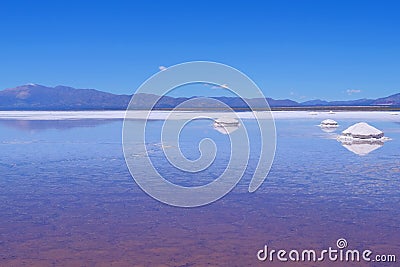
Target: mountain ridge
<point>40,97</point>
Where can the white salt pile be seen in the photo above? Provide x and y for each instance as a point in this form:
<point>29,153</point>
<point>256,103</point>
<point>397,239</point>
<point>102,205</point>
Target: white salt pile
<point>226,122</point>
<point>328,123</point>
<point>362,130</point>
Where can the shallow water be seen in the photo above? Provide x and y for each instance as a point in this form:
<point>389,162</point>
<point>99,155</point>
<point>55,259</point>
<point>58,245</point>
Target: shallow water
<point>67,197</point>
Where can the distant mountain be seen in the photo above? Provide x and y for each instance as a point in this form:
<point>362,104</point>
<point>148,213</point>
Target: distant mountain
<point>393,100</point>
<point>358,102</point>
<point>282,103</point>
<point>316,102</point>
<point>39,97</point>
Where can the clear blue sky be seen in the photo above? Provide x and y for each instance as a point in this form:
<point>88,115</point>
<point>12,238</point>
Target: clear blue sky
<point>291,49</point>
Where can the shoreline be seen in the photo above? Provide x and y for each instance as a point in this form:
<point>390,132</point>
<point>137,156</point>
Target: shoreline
<point>162,115</point>
<point>282,108</point>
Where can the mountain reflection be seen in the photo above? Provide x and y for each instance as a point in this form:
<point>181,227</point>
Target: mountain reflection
<point>42,125</point>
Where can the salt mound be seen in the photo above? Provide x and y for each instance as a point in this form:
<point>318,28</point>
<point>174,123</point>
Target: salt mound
<point>226,121</point>
<point>362,130</point>
<point>329,123</point>
<point>362,138</point>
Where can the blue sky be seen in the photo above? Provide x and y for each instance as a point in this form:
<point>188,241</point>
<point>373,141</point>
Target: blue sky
<point>292,49</point>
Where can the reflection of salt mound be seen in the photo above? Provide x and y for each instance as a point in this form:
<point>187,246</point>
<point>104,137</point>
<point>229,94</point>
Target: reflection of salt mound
<point>226,125</point>
<point>329,123</point>
<point>362,148</point>
<point>362,131</point>
<point>226,129</point>
<point>328,129</point>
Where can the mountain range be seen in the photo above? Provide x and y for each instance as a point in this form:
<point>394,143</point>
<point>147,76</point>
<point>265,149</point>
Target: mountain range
<point>39,97</point>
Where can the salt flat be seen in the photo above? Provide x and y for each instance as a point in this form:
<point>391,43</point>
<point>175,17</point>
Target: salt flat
<point>161,115</point>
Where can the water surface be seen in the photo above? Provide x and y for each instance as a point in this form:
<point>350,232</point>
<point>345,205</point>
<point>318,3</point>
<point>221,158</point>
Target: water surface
<point>67,197</point>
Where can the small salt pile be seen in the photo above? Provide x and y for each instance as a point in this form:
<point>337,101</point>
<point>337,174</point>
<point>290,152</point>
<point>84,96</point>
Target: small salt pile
<point>329,123</point>
<point>222,122</point>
